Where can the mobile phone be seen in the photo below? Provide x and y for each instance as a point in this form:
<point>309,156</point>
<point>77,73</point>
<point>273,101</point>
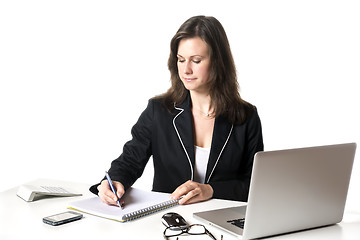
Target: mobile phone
<point>62,218</point>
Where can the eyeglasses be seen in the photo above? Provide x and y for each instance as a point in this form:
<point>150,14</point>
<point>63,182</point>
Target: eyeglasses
<point>194,229</point>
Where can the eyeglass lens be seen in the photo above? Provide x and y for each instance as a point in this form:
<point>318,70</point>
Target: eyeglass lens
<point>195,229</point>
<point>192,229</point>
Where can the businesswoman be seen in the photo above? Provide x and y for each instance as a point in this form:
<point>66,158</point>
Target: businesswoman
<point>201,134</point>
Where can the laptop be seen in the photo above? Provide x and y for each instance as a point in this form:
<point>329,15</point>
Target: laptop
<point>290,190</point>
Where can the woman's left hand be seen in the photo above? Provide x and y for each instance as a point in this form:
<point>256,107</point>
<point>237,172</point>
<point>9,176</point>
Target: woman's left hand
<point>192,192</point>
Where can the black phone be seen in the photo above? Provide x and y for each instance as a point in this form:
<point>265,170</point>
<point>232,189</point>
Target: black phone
<point>62,218</point>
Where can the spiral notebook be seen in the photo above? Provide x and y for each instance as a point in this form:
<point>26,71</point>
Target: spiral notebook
<point>138,203</point>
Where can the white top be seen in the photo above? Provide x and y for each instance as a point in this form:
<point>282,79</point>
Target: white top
<point>201,161</point>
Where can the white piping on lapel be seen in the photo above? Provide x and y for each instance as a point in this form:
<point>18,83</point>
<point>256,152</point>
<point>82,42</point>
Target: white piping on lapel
<point>232,126</point>
<point>182,144</point>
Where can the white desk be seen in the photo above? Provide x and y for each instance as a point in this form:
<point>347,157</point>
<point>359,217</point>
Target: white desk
<point>23,220</point>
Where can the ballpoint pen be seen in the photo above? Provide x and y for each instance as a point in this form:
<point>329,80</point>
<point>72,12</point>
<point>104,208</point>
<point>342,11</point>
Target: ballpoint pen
<point>113,189</point>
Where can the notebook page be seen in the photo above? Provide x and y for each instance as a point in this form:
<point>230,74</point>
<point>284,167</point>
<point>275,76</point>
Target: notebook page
<point>135,200</point>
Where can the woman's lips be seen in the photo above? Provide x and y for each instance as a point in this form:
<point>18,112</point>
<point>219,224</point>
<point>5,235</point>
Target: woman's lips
<point>189,79</point>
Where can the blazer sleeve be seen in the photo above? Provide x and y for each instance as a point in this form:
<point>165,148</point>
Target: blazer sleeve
<point>238,189</point>
<point>129,166</point>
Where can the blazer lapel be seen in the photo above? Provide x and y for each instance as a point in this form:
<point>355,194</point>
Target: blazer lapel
<point>184,126</point>
<point>221,133</point>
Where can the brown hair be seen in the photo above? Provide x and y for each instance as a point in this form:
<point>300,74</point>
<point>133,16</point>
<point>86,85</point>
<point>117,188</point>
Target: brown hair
<point>223,85</point>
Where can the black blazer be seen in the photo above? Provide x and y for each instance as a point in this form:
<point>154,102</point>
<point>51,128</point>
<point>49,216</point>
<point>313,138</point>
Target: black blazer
<point>168,138</point>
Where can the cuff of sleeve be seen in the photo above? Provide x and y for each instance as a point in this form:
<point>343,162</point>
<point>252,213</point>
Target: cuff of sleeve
<point>94,189</point>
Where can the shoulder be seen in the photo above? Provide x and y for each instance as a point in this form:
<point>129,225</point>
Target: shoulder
<point>165,105</point>
<point>160,108</point>
<point>240,112</point>
<point>252,114</point>
<point>248,115</point>
<point>157,103</point>
<point>253,123</point>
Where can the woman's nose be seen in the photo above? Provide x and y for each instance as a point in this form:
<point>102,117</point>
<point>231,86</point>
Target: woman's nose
<point>187,67</point>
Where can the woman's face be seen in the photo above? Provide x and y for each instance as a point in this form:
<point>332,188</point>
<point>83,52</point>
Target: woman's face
<point>194,64</point>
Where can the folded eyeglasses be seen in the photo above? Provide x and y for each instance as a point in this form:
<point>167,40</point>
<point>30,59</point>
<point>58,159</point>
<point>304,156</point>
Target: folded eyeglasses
<point>176,226</point>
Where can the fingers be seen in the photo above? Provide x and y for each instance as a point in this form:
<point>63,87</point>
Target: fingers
<point>192,192</point>
<point>119,189</point>
<point>107,196</point>
<point>185,189</point>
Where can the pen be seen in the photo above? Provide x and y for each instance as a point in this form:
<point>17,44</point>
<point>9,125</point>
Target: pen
<point>112,188</point>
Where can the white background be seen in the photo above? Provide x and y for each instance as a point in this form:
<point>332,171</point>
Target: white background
<point>75,75</point>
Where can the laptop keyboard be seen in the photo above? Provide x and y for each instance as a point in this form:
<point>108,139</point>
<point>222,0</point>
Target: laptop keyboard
<point>238,222</point>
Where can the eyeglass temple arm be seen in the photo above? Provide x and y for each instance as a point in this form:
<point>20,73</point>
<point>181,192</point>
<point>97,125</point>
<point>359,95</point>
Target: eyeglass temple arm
<point>210,234</point>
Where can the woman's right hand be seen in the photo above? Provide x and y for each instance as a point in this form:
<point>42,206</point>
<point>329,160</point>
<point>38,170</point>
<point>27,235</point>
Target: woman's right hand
<point>107,196</point>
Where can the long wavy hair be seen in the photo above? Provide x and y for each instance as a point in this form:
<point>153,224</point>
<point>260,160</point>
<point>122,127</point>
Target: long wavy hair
<point>223,84</point>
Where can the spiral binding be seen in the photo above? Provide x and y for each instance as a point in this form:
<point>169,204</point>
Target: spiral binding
<point>149,210</point>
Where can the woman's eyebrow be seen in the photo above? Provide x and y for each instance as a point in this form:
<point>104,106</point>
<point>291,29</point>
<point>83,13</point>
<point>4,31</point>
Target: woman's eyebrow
<point>196,55</point>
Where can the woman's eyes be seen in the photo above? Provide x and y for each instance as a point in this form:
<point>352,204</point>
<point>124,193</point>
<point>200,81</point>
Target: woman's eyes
<point>194,61</point>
